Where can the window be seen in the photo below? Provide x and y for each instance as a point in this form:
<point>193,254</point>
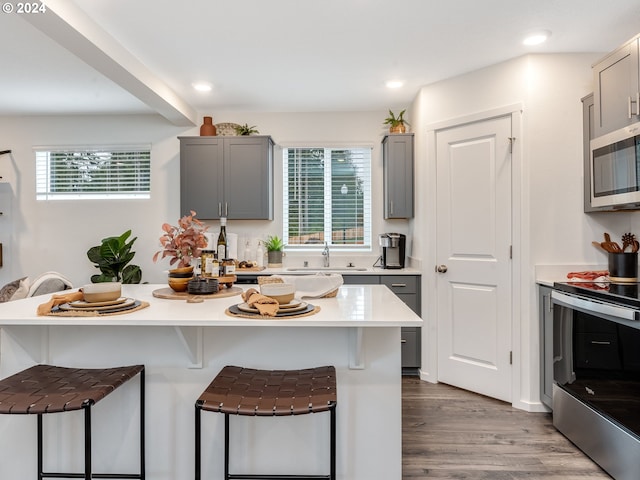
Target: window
<point>327,197</point>
<point>93,172</point>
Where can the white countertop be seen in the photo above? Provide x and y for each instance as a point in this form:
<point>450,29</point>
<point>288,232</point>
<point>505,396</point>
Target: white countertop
<point>354,306</point>
<point>547,275</point>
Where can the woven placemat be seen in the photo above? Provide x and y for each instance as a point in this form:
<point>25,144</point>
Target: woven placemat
<point>93,313</point>
<point>267,317</point>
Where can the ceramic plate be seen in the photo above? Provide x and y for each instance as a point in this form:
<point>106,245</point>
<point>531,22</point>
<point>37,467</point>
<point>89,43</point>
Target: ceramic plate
<point>83,304</point>
<point>283,313</point>
<point>292,304</point>
<point>244,307</point>
<point>128,302</point>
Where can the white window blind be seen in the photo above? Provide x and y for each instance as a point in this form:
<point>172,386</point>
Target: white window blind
<point>93,172</point>
<point>327,197</point>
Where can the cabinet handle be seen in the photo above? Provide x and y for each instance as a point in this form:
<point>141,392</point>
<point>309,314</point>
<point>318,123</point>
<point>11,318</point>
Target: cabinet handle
<point>391,207</point>
<point>398,284</point>
<point>226,209</point>
<point>631,102</point>
<point>403,341</point>
<point>219,209</point>
<point>595,342</point>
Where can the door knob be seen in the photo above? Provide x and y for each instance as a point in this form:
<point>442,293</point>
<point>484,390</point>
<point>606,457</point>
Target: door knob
<point>441,268</point>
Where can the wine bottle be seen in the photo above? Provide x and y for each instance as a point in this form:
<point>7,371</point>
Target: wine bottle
<point>222,240</point>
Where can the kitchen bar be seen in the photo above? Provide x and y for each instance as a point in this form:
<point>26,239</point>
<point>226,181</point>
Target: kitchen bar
<point>183,346</point>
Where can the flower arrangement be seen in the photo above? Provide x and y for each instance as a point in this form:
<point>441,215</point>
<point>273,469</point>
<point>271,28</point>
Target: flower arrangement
<point>183,242</point>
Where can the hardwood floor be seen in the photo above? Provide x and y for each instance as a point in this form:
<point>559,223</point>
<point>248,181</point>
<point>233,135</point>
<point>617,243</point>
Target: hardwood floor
<point>456,434</point>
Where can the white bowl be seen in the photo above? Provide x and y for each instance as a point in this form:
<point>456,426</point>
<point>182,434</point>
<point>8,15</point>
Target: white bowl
<point>282,292</point>
<point>102,292</point>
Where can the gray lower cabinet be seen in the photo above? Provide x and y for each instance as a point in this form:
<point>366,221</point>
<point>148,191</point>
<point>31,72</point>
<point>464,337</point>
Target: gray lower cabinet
<point>545,309</point>
<point>397,159</point>
<point>407,288</point>
<point>228,176</point>
<point>617,89</point>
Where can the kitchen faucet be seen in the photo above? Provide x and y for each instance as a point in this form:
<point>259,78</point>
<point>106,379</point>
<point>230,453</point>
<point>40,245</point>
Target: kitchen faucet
<point>325,254</point>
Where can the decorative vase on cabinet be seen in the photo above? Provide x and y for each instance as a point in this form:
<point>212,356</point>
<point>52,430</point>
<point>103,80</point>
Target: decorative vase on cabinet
<point>208,129</point>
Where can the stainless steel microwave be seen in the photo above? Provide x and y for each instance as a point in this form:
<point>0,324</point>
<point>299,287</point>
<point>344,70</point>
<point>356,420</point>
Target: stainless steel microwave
<point>615,168</point>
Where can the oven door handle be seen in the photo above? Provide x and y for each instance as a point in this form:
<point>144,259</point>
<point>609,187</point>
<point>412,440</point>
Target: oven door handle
<point>594,307</point>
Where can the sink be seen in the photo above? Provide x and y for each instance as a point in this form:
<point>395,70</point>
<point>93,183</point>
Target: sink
<point>327,269</point>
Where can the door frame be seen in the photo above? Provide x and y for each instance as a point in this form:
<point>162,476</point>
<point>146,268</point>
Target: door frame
<point>522,331</point>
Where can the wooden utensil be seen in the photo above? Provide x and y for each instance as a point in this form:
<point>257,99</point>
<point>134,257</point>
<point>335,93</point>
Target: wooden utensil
<point>598,245</point>
<point>612,247</point>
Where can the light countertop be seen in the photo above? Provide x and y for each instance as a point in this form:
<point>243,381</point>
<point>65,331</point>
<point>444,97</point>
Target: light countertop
<point>547,275</point>
<point>354,306</point>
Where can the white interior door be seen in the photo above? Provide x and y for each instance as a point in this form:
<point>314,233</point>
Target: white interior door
<point>473,243</point>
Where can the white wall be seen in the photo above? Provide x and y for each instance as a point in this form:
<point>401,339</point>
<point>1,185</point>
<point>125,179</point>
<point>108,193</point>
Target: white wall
<point>39,236</point>
<point>553,228</point>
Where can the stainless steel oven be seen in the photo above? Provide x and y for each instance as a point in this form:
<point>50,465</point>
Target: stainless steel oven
<point>596,372</point>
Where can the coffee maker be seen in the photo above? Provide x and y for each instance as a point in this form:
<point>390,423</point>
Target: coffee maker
<point>393,247</point>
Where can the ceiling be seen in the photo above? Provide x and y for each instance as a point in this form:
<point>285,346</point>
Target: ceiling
<point>123,56</point>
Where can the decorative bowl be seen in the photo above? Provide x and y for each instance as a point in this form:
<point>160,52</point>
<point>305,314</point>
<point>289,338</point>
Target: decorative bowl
<point>179,284</point>
<point>282,292</point>
<point>102,292</point>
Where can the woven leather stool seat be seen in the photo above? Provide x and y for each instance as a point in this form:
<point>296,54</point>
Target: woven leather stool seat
<point>246,391</point>
<point>48,389</point>
<point>252,392</point>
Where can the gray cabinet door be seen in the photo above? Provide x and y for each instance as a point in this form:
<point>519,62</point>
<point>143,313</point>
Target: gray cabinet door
<point>617,89</point>
<point>201,176</point>
<point>227,176</point>
<point>248,177</point>
<point>397,152</point>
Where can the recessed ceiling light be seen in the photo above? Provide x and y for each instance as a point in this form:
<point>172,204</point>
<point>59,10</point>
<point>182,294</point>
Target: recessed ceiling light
<point>203,86</point>
<point>394,84</point>
<point>536,38</point>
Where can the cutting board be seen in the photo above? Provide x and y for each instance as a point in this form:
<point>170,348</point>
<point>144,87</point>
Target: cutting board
<point>250,269</point>
<point>168,293</point>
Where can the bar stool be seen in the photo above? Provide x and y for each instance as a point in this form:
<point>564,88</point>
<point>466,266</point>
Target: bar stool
<point>44,389</point>
<point>246,391</point>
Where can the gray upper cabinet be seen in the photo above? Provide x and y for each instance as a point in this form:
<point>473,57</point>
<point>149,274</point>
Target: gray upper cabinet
<point>397,155</point>
<point>227,176</point>
<point>617,89</point>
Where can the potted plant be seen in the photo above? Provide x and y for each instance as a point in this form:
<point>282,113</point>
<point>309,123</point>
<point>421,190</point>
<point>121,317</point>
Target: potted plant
<point>112,257</point>
<point>274,246</point>
<point>182,243</point>
<point>396,123</point>
<point>246,129</point>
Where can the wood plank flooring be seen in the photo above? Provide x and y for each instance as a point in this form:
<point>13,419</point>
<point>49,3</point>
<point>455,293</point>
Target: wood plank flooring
<point>455,434</point>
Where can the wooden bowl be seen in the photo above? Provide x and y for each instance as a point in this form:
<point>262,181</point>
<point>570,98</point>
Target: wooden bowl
<point>179,284</point>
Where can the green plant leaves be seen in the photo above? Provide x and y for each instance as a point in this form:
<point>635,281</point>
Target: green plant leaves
<point>112,257</point>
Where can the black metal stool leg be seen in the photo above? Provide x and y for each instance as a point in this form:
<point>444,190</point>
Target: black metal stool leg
<point>226,446</point>
<point>87,443</point>
<point>198,443</point>
<point>40,461</point>
<point>142,426</point>
<point>332,472</point>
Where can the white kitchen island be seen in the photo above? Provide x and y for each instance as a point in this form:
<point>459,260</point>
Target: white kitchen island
<point>183,346</point>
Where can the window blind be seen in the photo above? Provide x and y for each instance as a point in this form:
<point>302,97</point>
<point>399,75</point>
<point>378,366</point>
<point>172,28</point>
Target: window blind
<point>327,196</point>
<point>96,172</point>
